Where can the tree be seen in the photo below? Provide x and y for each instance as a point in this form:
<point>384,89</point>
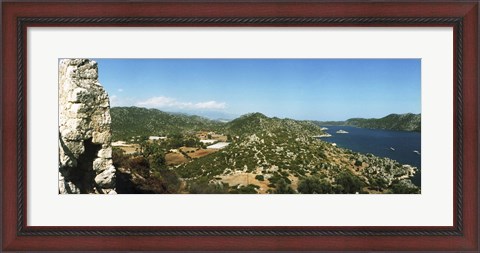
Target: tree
<point>378,183</point>
<point>314,185</point>
<point>175,140</point>
<point>259,177</point>
<point>149,148</point>
<point>349,182</point>
<point>157,160</point>
<point>281,187</point>
<point>404,187</point>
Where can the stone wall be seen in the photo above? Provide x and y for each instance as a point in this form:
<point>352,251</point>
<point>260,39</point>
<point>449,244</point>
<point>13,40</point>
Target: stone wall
<point>85,152</point>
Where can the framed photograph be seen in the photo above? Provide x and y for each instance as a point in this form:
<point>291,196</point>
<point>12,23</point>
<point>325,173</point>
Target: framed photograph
<point>298,126</point>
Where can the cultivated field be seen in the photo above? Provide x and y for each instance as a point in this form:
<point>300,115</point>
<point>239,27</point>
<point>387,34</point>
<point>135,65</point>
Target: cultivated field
<point>173,159</point>
<point>202,152</point>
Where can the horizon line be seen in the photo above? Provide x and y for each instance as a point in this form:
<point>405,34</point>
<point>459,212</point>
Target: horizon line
<point>241,115</point>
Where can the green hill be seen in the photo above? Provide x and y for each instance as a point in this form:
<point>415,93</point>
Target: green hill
<point>128,122</point>
<point>399,122</point>
<point>257,122</point>
<point>281,156</point>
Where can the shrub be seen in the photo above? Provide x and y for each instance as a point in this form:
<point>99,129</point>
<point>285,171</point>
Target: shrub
<point>281,187</point>
<point>259,177</point>
<point>170,179</point>
<point>349,182</point>
<point>404,187</point>
<point>314,185</point>
<point>203,187</point>
<point>139,165</point>
<point>378,184</point>
<point>119,158</point>
<point>249,189</point>
<point>157,160</point>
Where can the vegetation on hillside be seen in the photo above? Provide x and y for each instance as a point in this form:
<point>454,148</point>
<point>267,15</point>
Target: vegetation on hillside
<point>399,122</point>
<point>265,155</point>
<point>131,122</point>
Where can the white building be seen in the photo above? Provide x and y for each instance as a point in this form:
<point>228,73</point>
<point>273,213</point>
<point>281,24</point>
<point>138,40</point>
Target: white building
<point>156,138</point>
<point>119,144</point>
<point>219,145</point>
<point>208,141</point>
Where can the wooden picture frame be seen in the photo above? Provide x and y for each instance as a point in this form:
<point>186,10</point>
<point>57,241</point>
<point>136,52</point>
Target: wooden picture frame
<point>18,16</point>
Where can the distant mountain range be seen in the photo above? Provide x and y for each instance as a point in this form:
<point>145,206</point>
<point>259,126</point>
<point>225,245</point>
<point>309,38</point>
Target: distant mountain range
<point>128,122</point>
<point>136,121</point>
<point>399,122</point>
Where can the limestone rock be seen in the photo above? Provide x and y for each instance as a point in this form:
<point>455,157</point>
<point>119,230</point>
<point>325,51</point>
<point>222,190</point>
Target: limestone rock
<point>66,186</point>
<point>85,162</point>
<point>106,179</point>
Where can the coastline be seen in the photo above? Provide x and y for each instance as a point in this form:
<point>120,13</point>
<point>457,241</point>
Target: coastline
<point>378,142</point>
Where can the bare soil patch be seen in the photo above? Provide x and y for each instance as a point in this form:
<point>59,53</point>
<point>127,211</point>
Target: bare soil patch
<point>294,180</point>
<point>188,149</point>
<point>130,149</point>
<point>245,178</point>
<point>201,153</point>
<point>219,137</point>
<point>175,159</point>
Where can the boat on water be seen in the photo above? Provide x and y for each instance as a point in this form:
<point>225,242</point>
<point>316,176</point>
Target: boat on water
<point>342,132</point>
<point>392,149</point>
<point>416,151</point>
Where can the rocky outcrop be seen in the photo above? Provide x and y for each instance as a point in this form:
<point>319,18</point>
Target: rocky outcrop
<point>85,153</point>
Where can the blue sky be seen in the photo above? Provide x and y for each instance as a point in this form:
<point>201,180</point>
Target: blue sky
<point>313,89</point>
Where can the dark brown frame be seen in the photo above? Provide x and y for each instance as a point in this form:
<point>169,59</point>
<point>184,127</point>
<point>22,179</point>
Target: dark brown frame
<point>462,16</point>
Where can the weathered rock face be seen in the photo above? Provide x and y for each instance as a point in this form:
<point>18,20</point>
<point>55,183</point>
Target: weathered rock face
<point>85,161</point>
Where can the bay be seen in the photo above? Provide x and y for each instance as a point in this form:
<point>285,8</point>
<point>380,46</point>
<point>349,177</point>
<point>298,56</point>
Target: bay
<point>396,145</point>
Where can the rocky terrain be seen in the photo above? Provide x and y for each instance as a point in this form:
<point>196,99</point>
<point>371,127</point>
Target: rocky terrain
<point>272,154</point>
<point>85,154</point>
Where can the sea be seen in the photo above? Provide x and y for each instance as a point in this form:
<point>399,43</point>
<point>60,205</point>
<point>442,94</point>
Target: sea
<point>396,145</point>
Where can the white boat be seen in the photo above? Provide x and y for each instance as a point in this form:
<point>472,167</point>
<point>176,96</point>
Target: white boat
<point>342,132</point>
<point>392,149</point>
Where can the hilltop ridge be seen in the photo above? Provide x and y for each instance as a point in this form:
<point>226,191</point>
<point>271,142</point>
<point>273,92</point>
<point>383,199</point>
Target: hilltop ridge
<point>253,122</point>
<point>128,122</point>
<point>399,122</point>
